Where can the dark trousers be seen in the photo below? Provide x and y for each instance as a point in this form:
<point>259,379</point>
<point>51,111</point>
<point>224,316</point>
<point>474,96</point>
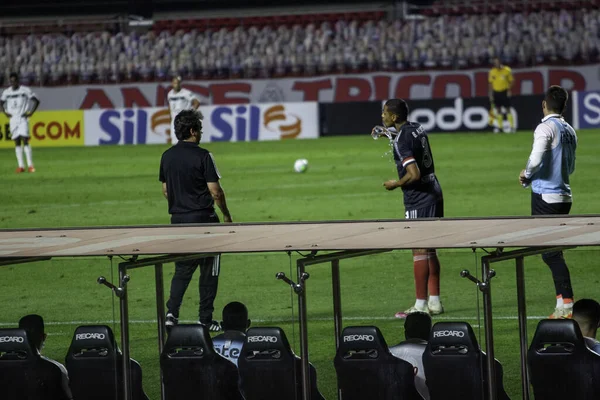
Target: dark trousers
<point>555,260</point>
<point>209,273</point>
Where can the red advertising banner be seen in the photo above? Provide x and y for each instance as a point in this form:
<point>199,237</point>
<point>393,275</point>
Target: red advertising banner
<point>329,88</point>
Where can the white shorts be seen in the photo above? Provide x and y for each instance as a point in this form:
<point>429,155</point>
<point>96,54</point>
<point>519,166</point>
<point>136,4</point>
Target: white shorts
<point>19,127</point>
<point>173,137</point>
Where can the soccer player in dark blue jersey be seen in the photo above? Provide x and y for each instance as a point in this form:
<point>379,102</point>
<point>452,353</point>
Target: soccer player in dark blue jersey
<point>422,197</point>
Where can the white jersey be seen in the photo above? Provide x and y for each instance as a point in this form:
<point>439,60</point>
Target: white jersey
<point>179,101</point>
<point>16,102</point>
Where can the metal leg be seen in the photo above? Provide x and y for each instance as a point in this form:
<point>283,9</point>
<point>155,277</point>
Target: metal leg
<point>489,330</point>
<point>522,310</point>
<point>337,301</point>
<point>337,307</point>
<point>123,279</point>
<point>303,335</point>
<point>160,317</point>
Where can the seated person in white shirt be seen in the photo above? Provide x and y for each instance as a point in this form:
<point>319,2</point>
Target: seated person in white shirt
<point>235,323</point>
<point>587,314</point>
<point>417,327</point>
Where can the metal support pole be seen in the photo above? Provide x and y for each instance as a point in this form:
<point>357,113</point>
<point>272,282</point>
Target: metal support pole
<point>160,317</point>
<point>489,330</point>
<point>337,301</point>
<point>302,315</point>
<point>127,393</point>
<point>337,307</point>
<point>522,312</point>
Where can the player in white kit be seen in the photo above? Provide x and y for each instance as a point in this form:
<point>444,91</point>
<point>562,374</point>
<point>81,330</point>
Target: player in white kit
<point>180,99</point>
<point>19,103</point>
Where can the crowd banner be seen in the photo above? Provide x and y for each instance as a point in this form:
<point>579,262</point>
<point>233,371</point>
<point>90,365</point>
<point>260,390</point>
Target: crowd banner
<point>226,123</point>
<point>586,110</point>
<point>49,129</point>
<point>376,86</point>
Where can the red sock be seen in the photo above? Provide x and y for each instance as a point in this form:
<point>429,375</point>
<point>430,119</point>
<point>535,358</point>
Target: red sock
<point>421,271</point>
<point>433,283</point>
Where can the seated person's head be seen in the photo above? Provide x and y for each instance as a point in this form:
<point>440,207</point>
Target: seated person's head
<point>417,326</point>
<point>33,325</point>
<point>587,314</point>
<point>235,317</point>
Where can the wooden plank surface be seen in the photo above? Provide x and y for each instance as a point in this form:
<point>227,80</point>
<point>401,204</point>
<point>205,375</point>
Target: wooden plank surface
<point>340,235</point>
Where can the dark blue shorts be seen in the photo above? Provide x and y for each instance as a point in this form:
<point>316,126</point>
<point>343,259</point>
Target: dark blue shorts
<point>432,211</point>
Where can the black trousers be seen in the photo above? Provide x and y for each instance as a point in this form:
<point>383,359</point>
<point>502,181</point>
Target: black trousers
<point>184,270</point>
<point>555,260</point>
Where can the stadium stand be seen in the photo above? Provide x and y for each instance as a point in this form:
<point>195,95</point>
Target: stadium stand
<point>367,370</point>
<point>453,347</point>
<point>561,365</point>
<point>304,45</point>
<point>269,369</point>
<point>94,364</point>
<point>193,369</point>
<point>24,374</point>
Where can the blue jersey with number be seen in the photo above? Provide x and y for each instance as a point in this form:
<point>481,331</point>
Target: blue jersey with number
<point>411,145</point>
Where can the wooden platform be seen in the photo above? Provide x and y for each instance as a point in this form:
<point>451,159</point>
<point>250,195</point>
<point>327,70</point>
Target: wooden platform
<point>322,236</point>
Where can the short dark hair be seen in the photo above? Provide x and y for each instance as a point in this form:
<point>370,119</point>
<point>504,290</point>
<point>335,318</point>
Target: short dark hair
<point>235,317</point>
<point>185,121</point>
<point>417,326</point>
<point>33,325</point>
<point>587,311</point>
<point>556,99</point>
<point>398,107</point>
<point>13,75</point>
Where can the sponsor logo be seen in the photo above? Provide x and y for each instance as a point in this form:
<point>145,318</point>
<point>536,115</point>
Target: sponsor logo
<point>451,118</point>
<point>448,333</point>
<point>88,336</point>
<point>49,128</point>
<point>260,339</point>
<point>243,123</point>
<point>131,126</point>
<point>11,339</point>
<point>356,338</point>
<point>588,109</point>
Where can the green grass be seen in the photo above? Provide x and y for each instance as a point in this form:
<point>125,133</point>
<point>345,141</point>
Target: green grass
<point>119,186</point>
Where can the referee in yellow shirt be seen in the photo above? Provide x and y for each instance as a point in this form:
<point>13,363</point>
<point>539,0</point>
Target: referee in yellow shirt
<point>501,79</point>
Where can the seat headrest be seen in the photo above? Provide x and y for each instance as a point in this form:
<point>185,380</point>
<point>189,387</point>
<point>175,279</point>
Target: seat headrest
<point>362,343</point>
<point>362,338</point>
<point>266,343</point>
<point>559,332</point>
<point>92,337</point>
<point>189,340</point>
<point>453,334</point>
<point>14,345</point>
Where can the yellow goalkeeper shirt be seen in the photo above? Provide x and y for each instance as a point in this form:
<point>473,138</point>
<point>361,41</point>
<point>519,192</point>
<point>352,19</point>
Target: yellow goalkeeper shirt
<point>500,78</point>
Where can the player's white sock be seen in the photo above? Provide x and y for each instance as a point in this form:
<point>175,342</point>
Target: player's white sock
<point>420,303</point>
<point>19,153</point>
<point>559,302</point>
<point>27,149</point>
<point>434,299</point>
<point>568,305</point>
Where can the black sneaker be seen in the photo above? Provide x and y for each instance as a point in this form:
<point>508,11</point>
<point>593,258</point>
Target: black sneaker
<point>212,326</point>
<point>171,321</point>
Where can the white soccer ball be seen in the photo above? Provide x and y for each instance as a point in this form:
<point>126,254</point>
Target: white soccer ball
<point>301,165</point>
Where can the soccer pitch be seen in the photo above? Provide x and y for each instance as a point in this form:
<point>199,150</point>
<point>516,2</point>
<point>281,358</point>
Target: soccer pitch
<point>119,186</point>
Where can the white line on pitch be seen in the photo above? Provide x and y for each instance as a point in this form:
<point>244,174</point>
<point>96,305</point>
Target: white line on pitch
<point>284,320</point>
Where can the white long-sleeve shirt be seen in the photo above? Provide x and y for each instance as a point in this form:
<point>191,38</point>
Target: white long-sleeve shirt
<point>552,159</point>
